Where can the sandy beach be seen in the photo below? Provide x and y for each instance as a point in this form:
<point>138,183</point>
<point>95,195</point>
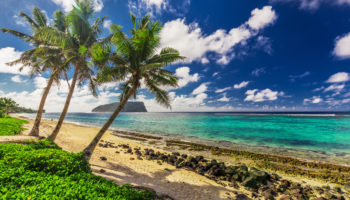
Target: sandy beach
<point>163,178</point>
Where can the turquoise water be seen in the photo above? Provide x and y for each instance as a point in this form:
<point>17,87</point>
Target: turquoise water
<point>324,133</point>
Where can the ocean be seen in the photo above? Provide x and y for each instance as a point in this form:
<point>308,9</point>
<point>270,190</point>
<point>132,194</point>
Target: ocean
<point>322,132</point>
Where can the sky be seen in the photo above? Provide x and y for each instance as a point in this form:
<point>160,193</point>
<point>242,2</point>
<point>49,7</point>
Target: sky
<point>256,55</point>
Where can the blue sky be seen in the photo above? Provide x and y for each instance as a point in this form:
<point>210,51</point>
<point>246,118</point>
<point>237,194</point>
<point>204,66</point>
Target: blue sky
<point>256,55</point>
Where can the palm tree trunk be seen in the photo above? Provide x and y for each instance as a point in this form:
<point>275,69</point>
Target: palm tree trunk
<point>54,134</point>
<point>35,129</point>
<point>89,149</point>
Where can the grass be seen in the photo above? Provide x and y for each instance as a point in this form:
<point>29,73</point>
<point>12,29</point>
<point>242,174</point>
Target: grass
<point>11,126</point>
<point>44,171</point>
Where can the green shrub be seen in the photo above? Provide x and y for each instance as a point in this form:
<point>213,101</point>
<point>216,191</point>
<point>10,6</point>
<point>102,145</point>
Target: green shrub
<point>11,126</point>
<point>2,114</point>
<point>43,171</point>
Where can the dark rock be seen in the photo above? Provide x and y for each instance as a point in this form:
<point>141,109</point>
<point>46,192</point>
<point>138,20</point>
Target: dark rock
<point>139,158</point>
<point>129,150</point>
<point>117,152</point>
<point>242,197</point>
<point>102,171</point>
<point>176,153</point>
<point>199,158</point>
<point>103,158</point>
<point>184,156</point>
<point>132,158</point>
<point>255,178</point>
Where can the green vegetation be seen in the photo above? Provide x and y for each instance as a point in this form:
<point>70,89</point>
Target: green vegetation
<point>43,171</point>
<point>11,126</point>
<point>8,105</point>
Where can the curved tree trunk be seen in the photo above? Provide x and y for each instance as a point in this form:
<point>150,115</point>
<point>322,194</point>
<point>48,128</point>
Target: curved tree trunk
<point>35,129</point>
<point>54,134</point>
<point>89,149</point>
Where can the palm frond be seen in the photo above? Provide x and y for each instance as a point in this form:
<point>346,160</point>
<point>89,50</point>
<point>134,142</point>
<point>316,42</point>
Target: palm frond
<point>40,17</point>
<point>162,96</point>
<point>31,22</point>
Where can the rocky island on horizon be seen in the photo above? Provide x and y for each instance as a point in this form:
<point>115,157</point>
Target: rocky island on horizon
<point>135,106</point>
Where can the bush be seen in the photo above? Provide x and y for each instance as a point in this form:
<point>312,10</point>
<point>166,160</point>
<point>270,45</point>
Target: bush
<point>2,114</point>
<point>11,126</point>
<point>43,171</point>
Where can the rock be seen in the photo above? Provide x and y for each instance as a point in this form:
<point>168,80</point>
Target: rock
<point>269,194</point>
<point>159,163</point>
<point>102,171</point>
<point>184,156</point>
<point>132,158</point>
<point>176,153</point>
<point>103,158</point>
<point>199,158</point>
<point>129,150</point>
<point>216,171</point>
<point>139,158</point>
<point>117,152</point>
<point>255,178</point>
<point>242,197</point>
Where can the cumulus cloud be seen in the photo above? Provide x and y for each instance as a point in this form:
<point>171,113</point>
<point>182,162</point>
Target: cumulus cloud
<point>82,100</point>
<point>183,73</point>
<point>224,98</point>
<point>200,89</point>
<point>263,95</point>
<point>9,54</point>
<point>241,85</point>
<point>342,47</point>
<point>17,79</point>
<point>194,44</point>
<point>313,100</point>
<point>260,18</point>
<point>67,5</point>
<point>339,77</point>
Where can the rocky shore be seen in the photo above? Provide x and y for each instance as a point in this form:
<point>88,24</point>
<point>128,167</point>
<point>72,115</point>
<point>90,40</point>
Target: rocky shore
<point>261,184</point>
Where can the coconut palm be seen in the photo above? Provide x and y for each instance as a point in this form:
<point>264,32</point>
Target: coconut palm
<point>41,58</point>
<point>135,59</point>
<point>76,42</point>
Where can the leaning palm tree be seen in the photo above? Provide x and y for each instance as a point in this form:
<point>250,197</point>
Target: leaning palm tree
<point>76,42</point>
<point>41,58</point>
<point>135,59</point>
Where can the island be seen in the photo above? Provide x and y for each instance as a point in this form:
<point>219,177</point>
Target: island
<point>129,107</point>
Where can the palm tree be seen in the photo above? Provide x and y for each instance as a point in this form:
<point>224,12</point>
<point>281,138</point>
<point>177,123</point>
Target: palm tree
<point>76,42</point>
<point>134,60</point>
<point>40,59</point>
<point>7,105</point>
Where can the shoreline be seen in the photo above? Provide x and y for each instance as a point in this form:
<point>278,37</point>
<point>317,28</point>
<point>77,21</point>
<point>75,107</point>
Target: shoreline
<point>301,154</point>
<point>125,168</point>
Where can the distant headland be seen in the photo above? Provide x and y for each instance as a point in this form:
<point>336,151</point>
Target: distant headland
<point>129,107</point>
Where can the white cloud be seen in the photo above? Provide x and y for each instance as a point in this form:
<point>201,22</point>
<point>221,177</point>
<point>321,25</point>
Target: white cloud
<point>9,54</point>
<point>292,78</point>
<point>185,77</point>
<point>194,44</point>
<point>241,85</point>
<point>17,79</point>
<point>314,100</point>
<point>342,47</point>
<point>335,87</point>
<point>313,4</point>
<point>107,23</point>
<point>200,89</point>
<point>262,17</point>
<point>339,77</point>
<point>20,21</point>
<point>263,95</point>
<point>223,90</point>
<point>224,99</point>
<point>258,71</point>
<point>67,5</point>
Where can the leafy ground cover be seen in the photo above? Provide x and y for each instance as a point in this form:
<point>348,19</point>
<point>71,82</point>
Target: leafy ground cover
<point>11,126</point>
<point>44,171</point>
